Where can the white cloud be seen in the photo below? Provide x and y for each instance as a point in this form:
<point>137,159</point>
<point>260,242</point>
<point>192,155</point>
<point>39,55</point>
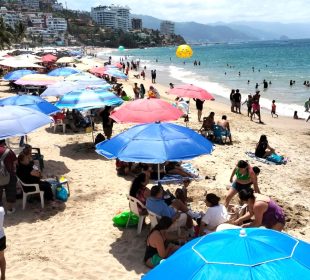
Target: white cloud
<point>212,10</point>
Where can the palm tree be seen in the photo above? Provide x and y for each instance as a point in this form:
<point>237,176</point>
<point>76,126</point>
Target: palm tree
<point>5,35</point>
<point>19,32</point>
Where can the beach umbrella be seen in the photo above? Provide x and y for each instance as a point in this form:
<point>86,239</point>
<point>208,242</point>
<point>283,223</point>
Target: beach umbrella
<point>117,74</point>
<point>19,121</point>
<point>17,74</point>
<point>191,91</point>
<point>184,51</point>
<point>249,254</point>
<point>49,58</point>
<point>15,62</point>
<point>32,102</point>
<point>121,48</point>
<point>146,111</point>
<point>155,143</point>
<point>38,80</point>
<point>63,71</point>
<point>82,77</point>
<point>98,70</point>
<point>66,59</point>
<point>88,99</point>
<point>61,88</point>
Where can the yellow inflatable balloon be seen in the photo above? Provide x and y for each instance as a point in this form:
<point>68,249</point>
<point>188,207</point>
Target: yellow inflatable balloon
<point>184,51</point>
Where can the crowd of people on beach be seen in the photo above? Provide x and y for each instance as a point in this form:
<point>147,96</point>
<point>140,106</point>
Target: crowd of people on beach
<point>173,209</point>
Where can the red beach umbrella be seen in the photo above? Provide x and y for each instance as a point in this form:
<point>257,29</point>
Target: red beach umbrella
<point>191,91</point>
<point>49,58</point>
<point>146,111</point>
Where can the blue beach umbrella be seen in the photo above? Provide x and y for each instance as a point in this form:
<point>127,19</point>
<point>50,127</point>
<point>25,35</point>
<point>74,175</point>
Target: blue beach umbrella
<point>63,71</point>
<point>19,121</point>
<point>88,99</point>
<point>32,102</point>
<point>116,73</point>
<point>249,254</point>
<point>155,143</point>
<point>15,75</point>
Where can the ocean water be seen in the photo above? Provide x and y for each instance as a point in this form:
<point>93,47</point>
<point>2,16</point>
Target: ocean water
<point>275,61</point>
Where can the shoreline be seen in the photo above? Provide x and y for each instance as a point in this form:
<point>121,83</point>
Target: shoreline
<point>221,87</point>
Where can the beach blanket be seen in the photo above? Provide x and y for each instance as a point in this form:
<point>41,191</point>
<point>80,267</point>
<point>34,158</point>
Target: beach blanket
<point>178,179</point>
<point>269,160</point>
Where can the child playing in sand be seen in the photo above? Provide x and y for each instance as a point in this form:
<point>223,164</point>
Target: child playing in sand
<point>273,108</point>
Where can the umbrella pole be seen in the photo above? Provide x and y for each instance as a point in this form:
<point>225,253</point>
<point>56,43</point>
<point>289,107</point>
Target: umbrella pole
<point>92,129</point>
<point>158,172</point>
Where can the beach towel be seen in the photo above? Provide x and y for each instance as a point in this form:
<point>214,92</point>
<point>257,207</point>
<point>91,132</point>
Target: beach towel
<point>271,160</point>
<point>178,179</point>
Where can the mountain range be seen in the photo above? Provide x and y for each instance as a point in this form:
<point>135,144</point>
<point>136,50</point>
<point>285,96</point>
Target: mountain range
<point>194,32</point>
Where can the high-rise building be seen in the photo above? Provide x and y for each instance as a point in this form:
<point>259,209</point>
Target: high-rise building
<point>167,27</point>
<point>136,24</point>
<point>115,17</point>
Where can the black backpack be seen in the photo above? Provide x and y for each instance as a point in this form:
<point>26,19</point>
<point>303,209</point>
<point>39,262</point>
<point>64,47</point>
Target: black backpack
<point>99,138</point>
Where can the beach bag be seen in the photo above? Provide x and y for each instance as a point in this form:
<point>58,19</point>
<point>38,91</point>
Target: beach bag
<point>99,138</point>
<point>4,174</point>
<point>275,158</point>
<point>62,193</point>
<point>121,219</point>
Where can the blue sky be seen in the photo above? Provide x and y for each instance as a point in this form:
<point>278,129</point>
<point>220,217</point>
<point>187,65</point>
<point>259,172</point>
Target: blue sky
<point>207,11</point>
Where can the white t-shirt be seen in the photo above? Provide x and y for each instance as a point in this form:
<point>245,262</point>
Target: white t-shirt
<point>215,216</point>
<point>1,221</point>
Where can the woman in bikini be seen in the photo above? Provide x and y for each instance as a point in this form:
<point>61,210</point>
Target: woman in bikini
<point>157,247</point>
<point>245,177</point>
<point>266,212</point>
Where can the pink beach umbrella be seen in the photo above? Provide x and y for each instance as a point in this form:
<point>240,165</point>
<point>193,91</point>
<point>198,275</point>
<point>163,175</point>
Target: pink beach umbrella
<point>98,71</point>
<point>191,91</point>
<point>37,80</point>
<point>146,111</point>
<point>49,58</point>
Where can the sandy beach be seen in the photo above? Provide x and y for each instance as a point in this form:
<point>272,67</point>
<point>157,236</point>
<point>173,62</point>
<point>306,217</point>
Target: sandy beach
<point>77,240</point>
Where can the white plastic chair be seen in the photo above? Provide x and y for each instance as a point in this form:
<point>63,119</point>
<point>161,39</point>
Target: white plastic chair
<point>59,122</point>
<point>155,218</point>
<point>26,194</point>
<point>133,206</point>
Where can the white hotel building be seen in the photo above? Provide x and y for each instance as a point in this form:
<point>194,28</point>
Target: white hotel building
<point>114,17</point>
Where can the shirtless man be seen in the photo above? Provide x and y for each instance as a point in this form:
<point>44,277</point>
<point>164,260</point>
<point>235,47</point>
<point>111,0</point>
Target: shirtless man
<point>224,123</point>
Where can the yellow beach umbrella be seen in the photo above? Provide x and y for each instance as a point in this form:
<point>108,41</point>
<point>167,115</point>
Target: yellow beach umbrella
<point>184,51</point>
<point>66,59</point>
